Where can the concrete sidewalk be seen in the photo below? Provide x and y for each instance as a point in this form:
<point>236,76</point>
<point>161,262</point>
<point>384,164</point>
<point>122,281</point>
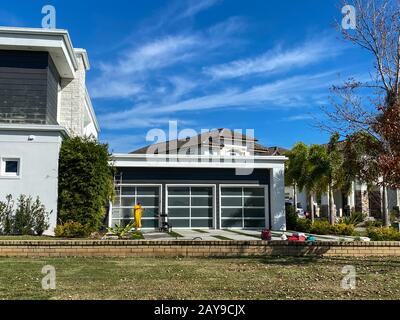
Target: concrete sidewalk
<point>234,234</point>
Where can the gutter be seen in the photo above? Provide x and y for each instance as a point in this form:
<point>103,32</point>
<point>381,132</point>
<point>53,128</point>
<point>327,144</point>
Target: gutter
<point>35,128</point>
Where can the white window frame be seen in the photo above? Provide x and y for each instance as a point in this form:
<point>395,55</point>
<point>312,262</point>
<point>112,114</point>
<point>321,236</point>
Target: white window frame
<point>214,202</point>
<point>266,204</point>
<point>4,174</point>
<point>136,185</point>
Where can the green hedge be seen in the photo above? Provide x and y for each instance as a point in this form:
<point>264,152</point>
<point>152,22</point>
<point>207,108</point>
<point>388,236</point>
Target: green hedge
<point>85,182</point>
<point>321,227</point>
<point>383,234</point>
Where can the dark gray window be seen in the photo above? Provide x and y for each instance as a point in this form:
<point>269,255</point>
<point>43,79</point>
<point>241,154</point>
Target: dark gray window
<point>10,167</point>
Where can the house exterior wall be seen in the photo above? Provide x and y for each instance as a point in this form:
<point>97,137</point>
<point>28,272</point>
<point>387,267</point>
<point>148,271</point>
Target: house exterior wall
<point>28,88</point>
<point>42,95</point>
<point>38,167</point>
<point>72,104</point>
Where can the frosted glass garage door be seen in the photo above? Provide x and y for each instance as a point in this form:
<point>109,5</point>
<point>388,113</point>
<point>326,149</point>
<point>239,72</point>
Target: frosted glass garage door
<point>125,199</point>
<point>190,207</point>
<point>243,207</point>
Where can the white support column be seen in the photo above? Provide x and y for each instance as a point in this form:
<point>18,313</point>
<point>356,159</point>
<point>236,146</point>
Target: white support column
<point>110,211</point>
<point>324,205</point>
<point>365,200</point>
<point>351,197</point>
<point>277,187</point>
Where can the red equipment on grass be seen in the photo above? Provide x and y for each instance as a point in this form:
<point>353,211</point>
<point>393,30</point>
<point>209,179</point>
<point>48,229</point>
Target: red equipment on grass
<point>297,237</point>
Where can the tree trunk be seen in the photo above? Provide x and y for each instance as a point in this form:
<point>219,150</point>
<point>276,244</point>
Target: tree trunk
<point>332,211</point>
<point>385,209</point>
<point>312,207</point>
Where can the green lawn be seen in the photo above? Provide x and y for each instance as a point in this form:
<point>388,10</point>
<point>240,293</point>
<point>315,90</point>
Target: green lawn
<point>28,238</point>
<point>190,278</point>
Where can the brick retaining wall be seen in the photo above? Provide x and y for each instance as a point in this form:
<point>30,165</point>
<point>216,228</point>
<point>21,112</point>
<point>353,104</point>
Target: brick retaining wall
<point>63,248</point>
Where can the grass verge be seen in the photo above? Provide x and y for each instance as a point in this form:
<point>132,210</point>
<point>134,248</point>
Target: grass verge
<point>175,234</point>
<point>221,238</point>
<point>207,278</point>
<point>200,231</point>
<point>243,233</point>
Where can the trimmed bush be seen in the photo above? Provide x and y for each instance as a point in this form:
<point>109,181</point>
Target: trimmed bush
<point>71,229</point>
<point>303,225</point>
<point>343,229</point>
<point>7,216</point>
<point>29,218</point>
<point>321,227</point>
<point>85,182</point>
<point>383,234</point>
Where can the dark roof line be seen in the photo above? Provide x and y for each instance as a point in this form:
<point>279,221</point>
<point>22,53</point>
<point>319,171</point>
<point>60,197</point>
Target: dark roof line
<point>200,139</point>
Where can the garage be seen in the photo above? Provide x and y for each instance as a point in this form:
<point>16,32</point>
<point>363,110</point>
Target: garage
<point>128,195</point>
<point>190,206</point>
<point>243,206</point>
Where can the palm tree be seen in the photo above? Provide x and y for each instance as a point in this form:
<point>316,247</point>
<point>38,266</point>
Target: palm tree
<point>296,169</point>
<point>329,171</point>
<point>304,172</point>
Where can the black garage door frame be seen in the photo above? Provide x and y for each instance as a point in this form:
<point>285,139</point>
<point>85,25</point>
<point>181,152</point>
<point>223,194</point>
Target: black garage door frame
<point>266,203</point>
<point>194,185</point>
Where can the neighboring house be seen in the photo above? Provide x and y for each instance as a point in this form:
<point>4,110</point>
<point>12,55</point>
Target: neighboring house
<point>360,199</point>
<point>213,180</point>
<point>43,99</point>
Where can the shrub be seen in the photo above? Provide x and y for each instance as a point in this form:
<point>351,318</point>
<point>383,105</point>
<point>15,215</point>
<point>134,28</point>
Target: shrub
<point>29,218</point>
<point>291,218</point>
<point>321,227</point>
<point>23,220</point>
<point>71,229</point>
<point>85,182</point>
<point>383,234</point>
<point>303,225</point>
<point>121,231</point>
<point>354,219</point>
<point>343,229</point>
<point>6,215</point>
<point>373,224</point>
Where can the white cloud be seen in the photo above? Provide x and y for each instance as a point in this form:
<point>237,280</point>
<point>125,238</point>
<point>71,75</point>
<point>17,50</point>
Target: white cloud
<point>114,89</point>
<point>276,60</point>
<point>196,6</point>
<point>281,93</point>
<point>293,92</point>
<point>156,54</point>
<point>298,117</point>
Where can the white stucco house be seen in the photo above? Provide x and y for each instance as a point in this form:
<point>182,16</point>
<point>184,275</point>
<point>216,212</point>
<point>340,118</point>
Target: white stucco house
<point>43,99</point>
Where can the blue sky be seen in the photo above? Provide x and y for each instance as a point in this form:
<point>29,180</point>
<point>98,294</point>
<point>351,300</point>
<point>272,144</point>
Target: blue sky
<point>255,64</point>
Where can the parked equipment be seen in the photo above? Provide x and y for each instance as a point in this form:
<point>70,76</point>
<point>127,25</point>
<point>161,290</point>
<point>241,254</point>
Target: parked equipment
<point>301,237</point>
<point>266,235</point>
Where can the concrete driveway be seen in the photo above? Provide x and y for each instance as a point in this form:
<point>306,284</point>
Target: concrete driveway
<point>211,235</point>
<point>235,234</point>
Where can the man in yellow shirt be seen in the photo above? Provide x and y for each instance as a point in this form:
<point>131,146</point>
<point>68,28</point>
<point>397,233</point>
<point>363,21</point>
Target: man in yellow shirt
<point>138,211</point>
